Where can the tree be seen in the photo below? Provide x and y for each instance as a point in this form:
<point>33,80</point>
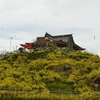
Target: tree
<point>20,49</point>
<point>52,47</point>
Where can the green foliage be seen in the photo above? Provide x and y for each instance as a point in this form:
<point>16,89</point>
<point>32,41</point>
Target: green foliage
<point>45,70</point>
<point>38,54</point>
<point>52,47</point>
<point>59,87</point>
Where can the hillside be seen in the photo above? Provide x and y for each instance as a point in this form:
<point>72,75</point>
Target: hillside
<point>67,71</point>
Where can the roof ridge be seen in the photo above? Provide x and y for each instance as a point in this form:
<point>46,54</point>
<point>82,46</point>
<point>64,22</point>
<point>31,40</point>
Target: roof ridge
<point>62,35</point>
<point>46,34</point>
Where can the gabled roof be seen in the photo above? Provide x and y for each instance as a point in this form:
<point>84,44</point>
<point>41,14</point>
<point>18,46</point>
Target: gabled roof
<point>80,48</point>
<point>48,35</point>
<point>62,35</point>
<point>64,38</point>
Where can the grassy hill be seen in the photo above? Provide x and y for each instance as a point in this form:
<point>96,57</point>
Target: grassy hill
<point>57,71</point>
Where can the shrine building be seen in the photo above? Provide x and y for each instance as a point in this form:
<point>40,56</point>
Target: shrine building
<point>61,41</point>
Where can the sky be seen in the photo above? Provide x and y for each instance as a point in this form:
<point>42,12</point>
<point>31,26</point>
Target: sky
<point>24,20</point>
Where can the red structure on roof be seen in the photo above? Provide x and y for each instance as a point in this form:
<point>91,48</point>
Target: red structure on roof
<point>27,46</point>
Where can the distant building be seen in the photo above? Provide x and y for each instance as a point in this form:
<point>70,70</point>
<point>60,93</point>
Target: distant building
<point>61,41</point>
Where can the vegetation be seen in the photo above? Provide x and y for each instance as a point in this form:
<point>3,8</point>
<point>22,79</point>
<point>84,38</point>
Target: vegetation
<point>45,71</point>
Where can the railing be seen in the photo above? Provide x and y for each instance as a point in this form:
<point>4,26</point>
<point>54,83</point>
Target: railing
<point>26,94</point>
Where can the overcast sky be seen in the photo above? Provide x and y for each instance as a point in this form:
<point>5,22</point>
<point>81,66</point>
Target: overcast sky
<point>24,20</point>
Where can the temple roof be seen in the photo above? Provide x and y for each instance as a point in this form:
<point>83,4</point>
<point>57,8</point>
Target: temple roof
<point>59,40</point>
<point>64,38</point>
